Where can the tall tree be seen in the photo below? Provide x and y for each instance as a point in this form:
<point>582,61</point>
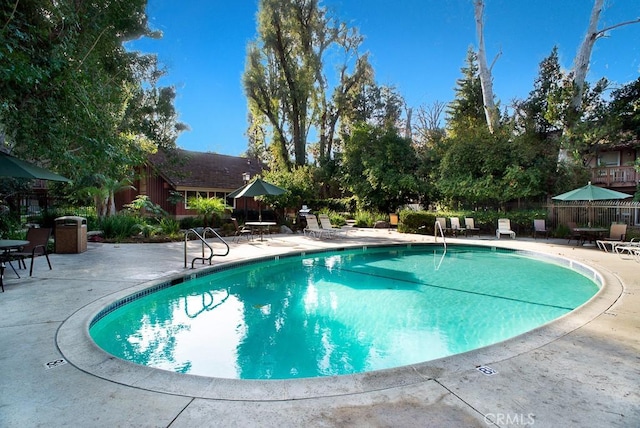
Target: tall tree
<point>467,109</point>
<point>72,86</point>
<point>285,78</point>
<point>491,112</point>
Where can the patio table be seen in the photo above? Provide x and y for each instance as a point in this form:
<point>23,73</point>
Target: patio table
<point>261,225</point>
<point>6,245</point>
<point>590,234</point>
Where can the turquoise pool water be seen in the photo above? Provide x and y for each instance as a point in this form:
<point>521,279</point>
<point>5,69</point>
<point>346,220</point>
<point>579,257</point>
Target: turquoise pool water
<point>343,312</point>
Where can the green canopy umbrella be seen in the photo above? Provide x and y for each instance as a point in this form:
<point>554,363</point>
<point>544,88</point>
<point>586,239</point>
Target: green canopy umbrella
<point>591,193</point>
<point>13,167</point>
<point>258,187</point>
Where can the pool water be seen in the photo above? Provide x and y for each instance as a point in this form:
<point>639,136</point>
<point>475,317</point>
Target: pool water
<point>336,313</point>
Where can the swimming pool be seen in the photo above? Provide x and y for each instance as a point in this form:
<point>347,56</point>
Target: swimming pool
<point>342,312</point>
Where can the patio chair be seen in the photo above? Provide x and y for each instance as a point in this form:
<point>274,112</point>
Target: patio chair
<point>504,228</point>
<point>393,220</point>
<point>617,233</point>
<point>314,229</point>
<point>241,231</point>
<point>325,224</point>
<point>540,227</point>
<point>455,226</point>
<point>573,234</point>
<point>443,225</point>
<point>38,240</point>
<point>470,227</point>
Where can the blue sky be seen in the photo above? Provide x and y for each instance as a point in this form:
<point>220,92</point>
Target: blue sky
<point>418,46</point>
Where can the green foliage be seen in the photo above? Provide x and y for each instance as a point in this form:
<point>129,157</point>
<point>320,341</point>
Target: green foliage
<point>191,222</point>
<point>120,226</point>
<point>207,207</point>
<point>416,222</point>
<point>378,168</point>
<point>73,97</point>
<point>147,230</point>
<point>9,226</point>
<point>169,226</point>
<point>142,205</point>
<point>299,183</point>
<point>365,218</point>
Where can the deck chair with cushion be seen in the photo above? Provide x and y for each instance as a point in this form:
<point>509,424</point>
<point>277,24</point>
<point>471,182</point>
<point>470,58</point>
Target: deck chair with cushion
<point>241,231</point>
<point>540,228</point>
<point>325,224</point>
<point>455,226</point>
<point>38,240</point>
<point>470,227</point>
<point>617,233</point>
<point>504,228</point>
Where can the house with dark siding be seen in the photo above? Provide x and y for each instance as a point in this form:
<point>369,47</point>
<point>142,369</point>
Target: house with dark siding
<point>169,179</point>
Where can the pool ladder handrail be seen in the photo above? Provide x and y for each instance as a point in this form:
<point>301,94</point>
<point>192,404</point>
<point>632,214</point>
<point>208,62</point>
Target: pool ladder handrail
<point>438,227</point>
<point>204,243</point>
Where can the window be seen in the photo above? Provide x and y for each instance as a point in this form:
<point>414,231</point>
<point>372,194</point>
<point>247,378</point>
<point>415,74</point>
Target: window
<point>609,159</point>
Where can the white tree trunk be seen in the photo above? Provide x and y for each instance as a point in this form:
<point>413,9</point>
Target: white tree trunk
<point>583,57</point>
<point>486,81</point>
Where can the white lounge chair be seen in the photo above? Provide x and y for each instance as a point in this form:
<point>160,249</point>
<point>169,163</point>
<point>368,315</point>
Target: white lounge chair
<point>504,228</point>
<point>470,227</point>
<point>313,228</point>
<point>455,226</point>
<point>632,248</point>
<point>326,225</point>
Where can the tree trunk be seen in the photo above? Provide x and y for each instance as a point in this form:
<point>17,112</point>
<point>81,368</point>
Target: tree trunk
<point>583,57</point>
<point>486,81</point>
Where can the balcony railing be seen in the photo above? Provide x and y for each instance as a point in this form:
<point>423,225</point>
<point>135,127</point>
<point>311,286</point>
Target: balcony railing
<point>615,176</point>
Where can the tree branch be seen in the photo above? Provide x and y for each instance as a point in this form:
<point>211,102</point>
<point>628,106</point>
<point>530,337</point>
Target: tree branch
<point>15,6</point>
<point>604,30</point>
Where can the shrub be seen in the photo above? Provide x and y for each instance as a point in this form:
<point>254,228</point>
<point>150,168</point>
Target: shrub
<point>191,222</point>
<point>120,226</point>
<point>169,226</point>
<point>421,222</point>
<point>368,218</point>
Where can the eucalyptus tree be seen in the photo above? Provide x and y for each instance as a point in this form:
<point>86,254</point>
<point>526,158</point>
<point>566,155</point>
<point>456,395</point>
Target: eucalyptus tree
<point>285,80</point>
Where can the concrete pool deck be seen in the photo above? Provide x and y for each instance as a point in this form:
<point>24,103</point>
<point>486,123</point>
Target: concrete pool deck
<point>582,370</point>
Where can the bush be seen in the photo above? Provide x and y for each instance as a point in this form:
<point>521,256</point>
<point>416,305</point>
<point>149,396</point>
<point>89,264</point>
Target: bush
<point>120,226</point>
<point>368,218</point>
<point>169,226</point>
<point>421,222</point>
<point>191,223</point>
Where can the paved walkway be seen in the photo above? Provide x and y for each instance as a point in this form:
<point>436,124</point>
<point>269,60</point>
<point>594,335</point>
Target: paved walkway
<point>581,370</point>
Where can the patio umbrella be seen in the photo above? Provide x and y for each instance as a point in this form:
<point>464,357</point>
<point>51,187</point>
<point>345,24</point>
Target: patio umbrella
<point>11,166</point>
<point>591,193</point>
<point>258,187</point>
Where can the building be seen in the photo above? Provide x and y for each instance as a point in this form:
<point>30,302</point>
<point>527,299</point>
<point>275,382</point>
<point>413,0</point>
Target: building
<point>169,179</point>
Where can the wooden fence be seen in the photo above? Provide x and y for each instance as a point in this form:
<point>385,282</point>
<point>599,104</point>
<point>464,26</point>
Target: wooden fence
<point>598,213</point>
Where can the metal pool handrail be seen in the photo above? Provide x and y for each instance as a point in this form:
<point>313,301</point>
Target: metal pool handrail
<point>437,227</point>
<point>202,239</point>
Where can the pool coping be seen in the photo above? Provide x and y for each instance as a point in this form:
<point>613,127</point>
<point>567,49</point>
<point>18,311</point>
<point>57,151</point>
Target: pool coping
<point>75,344</point>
